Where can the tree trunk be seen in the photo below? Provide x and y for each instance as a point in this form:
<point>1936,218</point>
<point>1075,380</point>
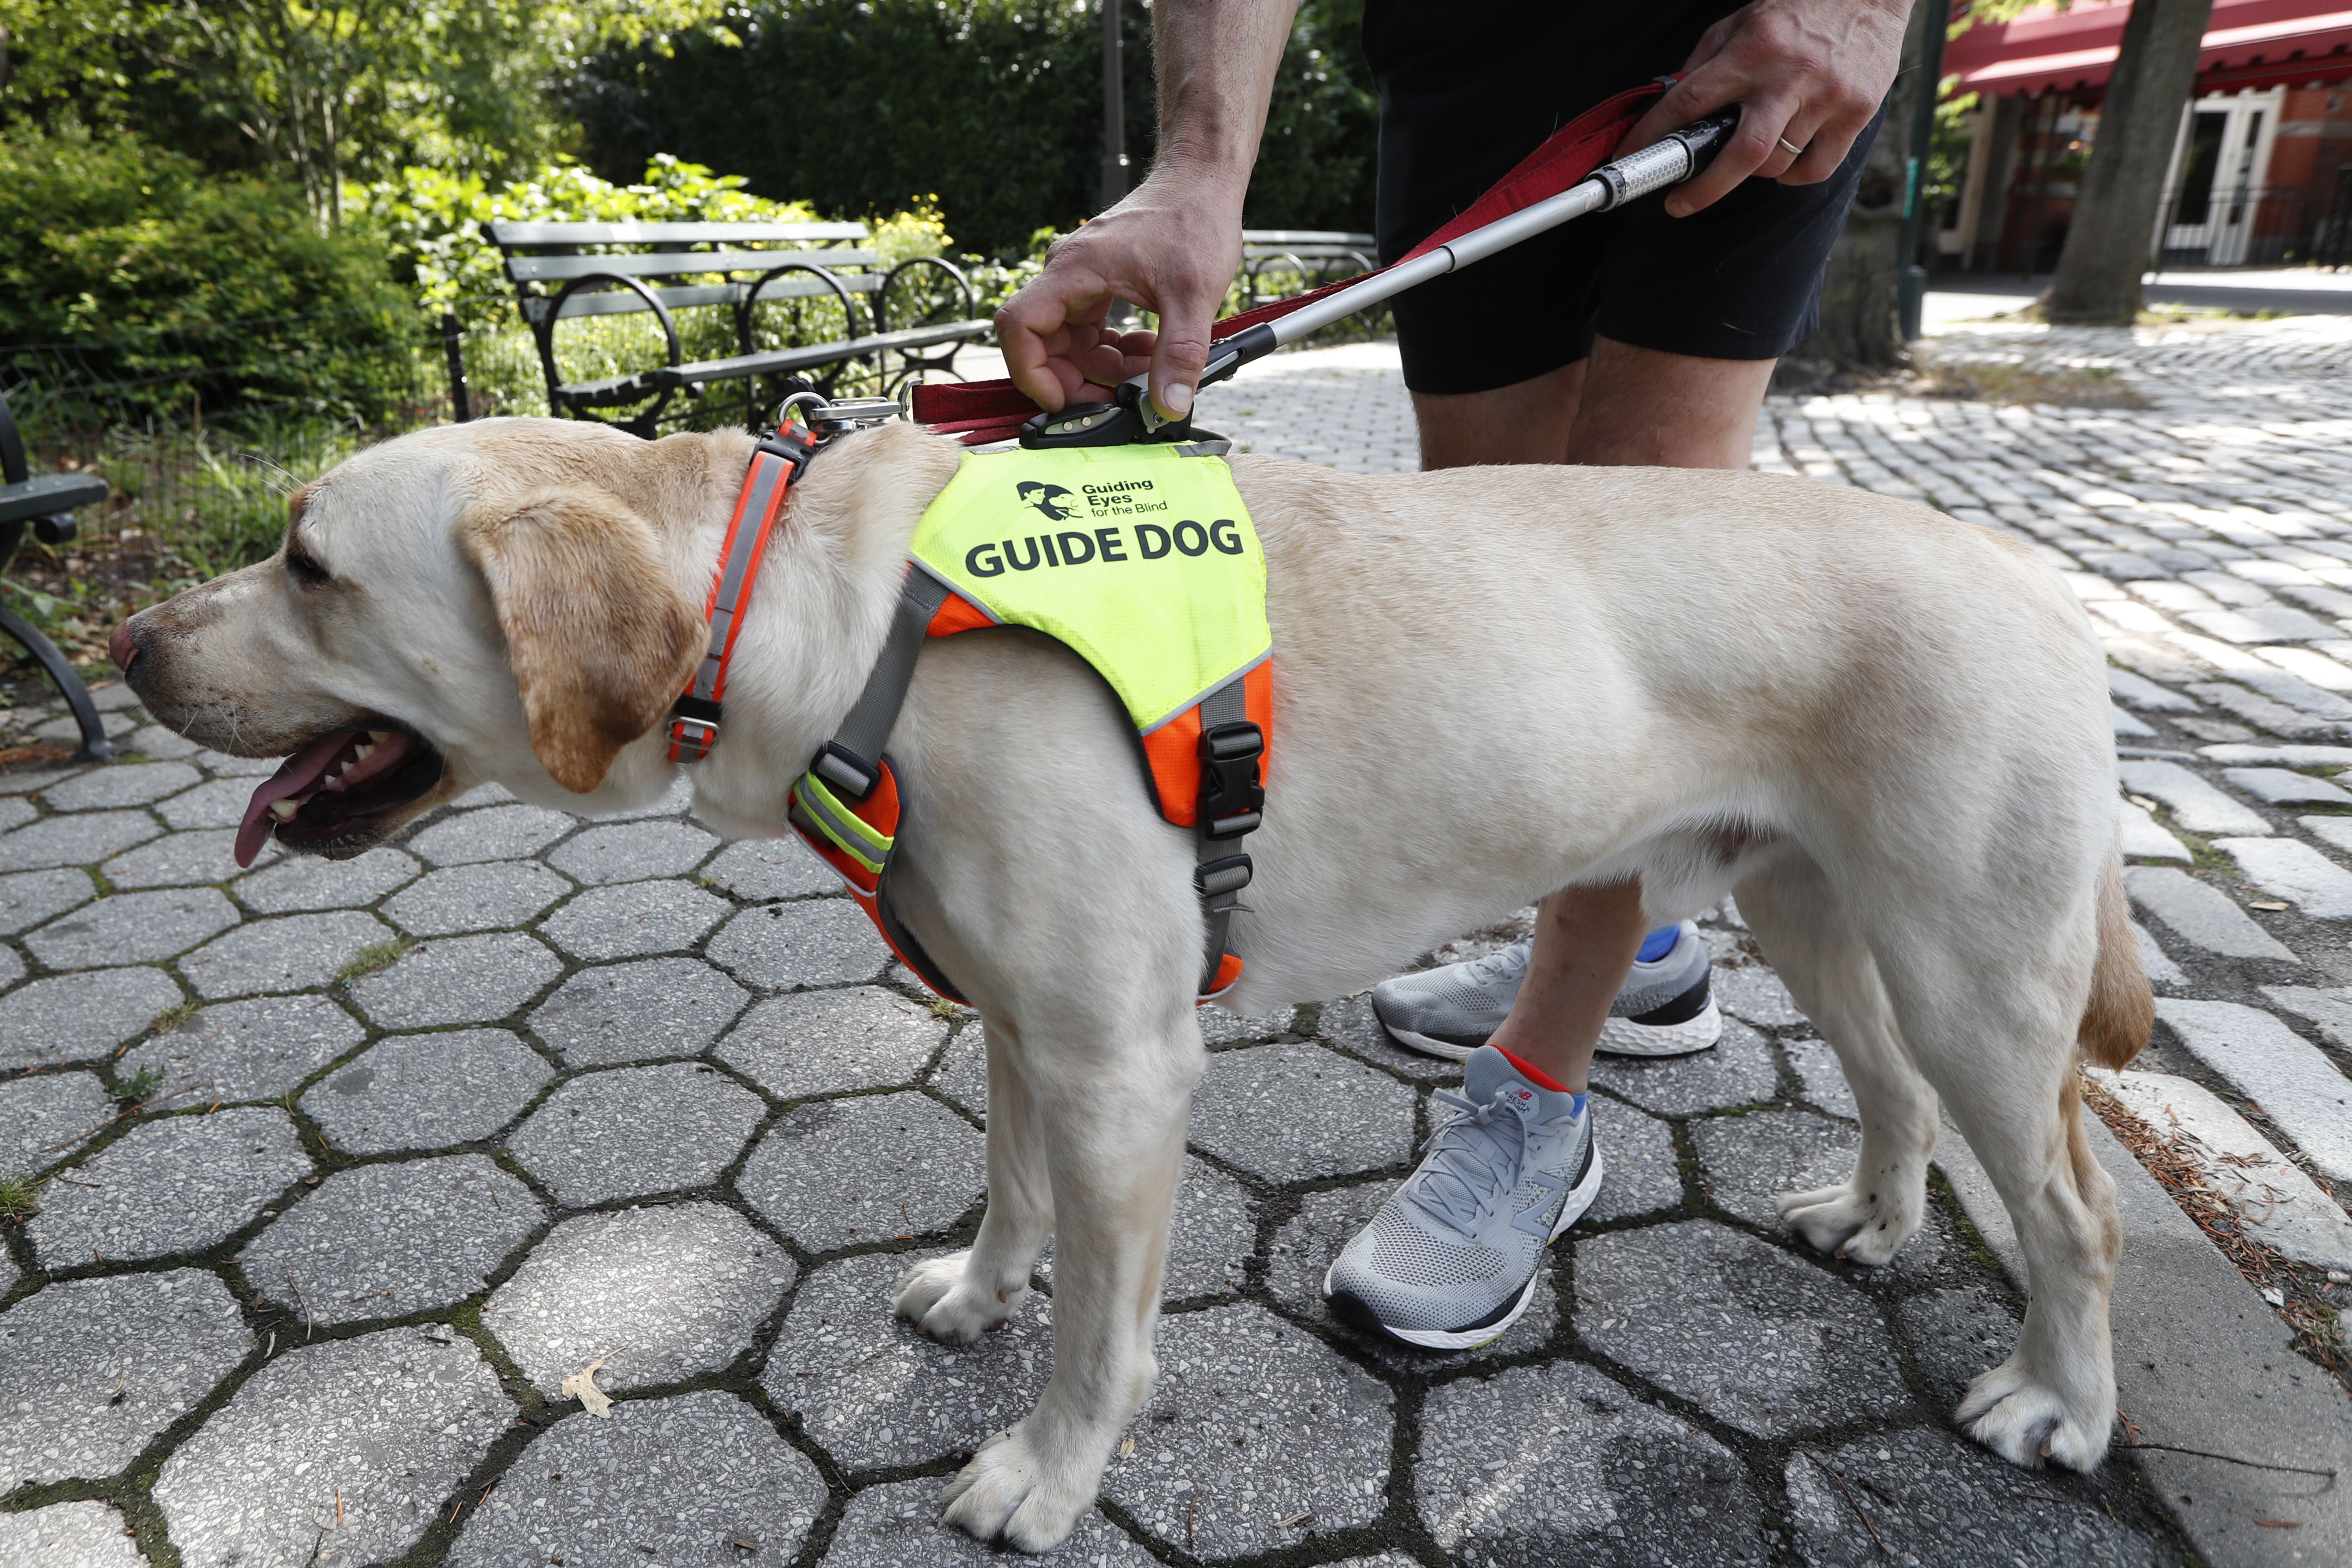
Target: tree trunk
<point>1862,285</point>
<point>2107,245</point>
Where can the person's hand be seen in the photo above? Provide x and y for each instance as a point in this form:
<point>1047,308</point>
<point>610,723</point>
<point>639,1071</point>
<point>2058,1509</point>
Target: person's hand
<point>1807,75</point>
<point>1170,247</point>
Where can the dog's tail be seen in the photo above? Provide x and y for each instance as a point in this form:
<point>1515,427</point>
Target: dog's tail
<point>2122,1009</point>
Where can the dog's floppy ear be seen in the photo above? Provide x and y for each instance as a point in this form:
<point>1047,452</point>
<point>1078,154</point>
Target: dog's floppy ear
<point>601,640</point>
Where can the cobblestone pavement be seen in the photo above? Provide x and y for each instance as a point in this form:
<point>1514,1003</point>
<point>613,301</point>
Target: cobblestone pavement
<point>346,1173</point>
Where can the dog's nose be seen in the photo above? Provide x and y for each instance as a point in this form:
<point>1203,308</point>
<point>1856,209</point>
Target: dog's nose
<point>120,646</point>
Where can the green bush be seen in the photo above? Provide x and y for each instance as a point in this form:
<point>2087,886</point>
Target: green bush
<point>995,105</point>
<point>182,292</point>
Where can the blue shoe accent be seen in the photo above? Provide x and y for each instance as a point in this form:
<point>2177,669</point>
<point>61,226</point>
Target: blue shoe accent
<point>1576,1106</point>
<point>1658,943</point>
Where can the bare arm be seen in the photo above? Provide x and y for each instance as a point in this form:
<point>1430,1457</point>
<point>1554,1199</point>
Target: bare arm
<point>1806,73</point>
<point>1173,245</point>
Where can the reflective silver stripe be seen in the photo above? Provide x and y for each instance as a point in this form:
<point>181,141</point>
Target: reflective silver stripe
<point>848,842</point>
<point>768,473</point>
<point>1225,704</point>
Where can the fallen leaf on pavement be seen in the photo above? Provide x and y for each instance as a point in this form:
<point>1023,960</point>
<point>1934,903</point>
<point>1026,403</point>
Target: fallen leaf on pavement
<point>582,1385</point>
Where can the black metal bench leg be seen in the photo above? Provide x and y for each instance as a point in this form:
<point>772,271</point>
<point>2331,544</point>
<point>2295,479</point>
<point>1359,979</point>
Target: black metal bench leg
<point>95,746</point>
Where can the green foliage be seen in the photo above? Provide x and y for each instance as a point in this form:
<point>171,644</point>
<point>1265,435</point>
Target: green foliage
<point>208,291</point>
<point>994,105</point>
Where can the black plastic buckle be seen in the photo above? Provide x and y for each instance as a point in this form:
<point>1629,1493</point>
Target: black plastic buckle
<point>1218,880</point>
<point>1233,801</point>
<point>792,444</point>
<point>845,770</point>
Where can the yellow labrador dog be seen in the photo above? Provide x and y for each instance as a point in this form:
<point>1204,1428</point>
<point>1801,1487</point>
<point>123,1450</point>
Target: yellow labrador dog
<point>1884,730</point>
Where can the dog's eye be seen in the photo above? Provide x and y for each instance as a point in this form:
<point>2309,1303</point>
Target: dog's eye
<point>303,566</point>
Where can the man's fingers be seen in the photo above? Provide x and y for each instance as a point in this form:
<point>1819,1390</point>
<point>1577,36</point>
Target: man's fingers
<point>1754,141</point>
<point>1041,324</point>
<point>1826,146</point>
<point>1178,354</point>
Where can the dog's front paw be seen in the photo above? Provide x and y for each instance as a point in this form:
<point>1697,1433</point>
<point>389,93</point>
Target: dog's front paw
<point>2027,1422</point>
<point>1862,1227</point>
<point>1013,1493</point>
<point>940,1297</point>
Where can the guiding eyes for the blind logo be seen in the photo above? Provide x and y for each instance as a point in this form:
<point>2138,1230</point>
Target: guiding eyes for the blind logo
<point>1052,500</point>
<point>1151,542</point>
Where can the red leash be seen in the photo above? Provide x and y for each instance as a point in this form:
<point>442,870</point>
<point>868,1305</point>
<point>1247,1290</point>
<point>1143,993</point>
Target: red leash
<point>982,411</point>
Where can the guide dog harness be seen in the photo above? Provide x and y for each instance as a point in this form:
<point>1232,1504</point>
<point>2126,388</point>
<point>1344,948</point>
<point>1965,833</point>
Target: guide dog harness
<point>1140,559</point>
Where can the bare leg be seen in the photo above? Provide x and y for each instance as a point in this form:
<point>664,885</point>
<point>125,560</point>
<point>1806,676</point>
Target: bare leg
<point>1626,406</point>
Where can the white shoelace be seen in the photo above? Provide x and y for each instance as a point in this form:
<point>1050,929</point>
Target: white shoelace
<point>1465,1175</point>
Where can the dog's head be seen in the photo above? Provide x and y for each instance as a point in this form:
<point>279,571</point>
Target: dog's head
<point>494,601</point>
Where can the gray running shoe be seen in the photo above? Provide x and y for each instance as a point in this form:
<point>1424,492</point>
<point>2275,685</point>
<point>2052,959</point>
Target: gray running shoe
<point>1449,1261</point>
<point>1663,1009</point>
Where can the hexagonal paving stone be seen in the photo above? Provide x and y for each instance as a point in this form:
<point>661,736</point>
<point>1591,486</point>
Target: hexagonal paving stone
<point>133,928</point>
<point>174,1185</point>
<point>632,1132</point>
<point>1750,1160</point>
<point>629,1012</point>
<point>1753,993</point>
<point>248,1050</point>
<point>1325,1222</point>
<point>1556,1464</point>
<point>42,1118</point>
<point>1738,1071</point>
<point>30,781</point>
<point>12,967</point>
<point>673,801</point>
<point>220,804</point>
<point>82,839</point>
<point>154,741</point>
<point>1351,1024</point>
<point>457,980</point>
<point>822,1042</point>
<point>220,764</point>
<point>897,1525</point>
<point>14,812</point>
<point>873,1391</point>
<point>377,1429</point>
<point>1643,1172</point>
<point>820,941</point>
<point>91,1370</point>
<point>181,860</point>
<point>963,1072</point>
<point>494,833</point>
<point>1760,1340</point>
<point>1220,1027</point>
<point>475,898</point>
<point>1825,1081</point>
<point>292,953</point>
<point>633,918</point>
<point>662,1293</point>
<point>835,1173</point>
<point>695,1478</point>
<point>28,898</point>
<point>426,1091</point>
<point>1923,1487</point>
<point>773,868</point>
<point>383,1241</point>
<point>484,795</point>
<point>75,1016</point>
<point>1287,1112</point>
<point>1253,1423</point>
<point>302,882</point>
<point>68,1535</point>
<point>633,851</point>
<point>125,783</point>
<point>1955,1336</point>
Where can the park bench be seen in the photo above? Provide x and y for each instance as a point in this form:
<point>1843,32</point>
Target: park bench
<point>45,503</point>
<point>1314,256</point>
<point>770,280</point>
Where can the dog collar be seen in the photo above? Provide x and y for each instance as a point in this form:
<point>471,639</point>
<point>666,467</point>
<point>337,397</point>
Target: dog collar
<point>777,462</point>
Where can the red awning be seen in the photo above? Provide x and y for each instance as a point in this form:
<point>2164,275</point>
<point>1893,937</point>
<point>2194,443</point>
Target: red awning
<point>2248,43</point>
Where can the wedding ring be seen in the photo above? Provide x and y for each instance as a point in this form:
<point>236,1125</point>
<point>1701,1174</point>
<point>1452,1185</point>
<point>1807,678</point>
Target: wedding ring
<point>1788,147</point>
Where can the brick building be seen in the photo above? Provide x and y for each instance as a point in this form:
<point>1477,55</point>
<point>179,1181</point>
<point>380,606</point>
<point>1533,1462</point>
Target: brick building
<point>2262,166</point>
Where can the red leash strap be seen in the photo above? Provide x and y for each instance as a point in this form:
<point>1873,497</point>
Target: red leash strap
<point>776,462</point>
<point>982,411</point>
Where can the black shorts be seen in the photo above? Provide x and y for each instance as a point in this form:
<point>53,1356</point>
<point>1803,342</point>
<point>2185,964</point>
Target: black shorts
<point>1467,88</point>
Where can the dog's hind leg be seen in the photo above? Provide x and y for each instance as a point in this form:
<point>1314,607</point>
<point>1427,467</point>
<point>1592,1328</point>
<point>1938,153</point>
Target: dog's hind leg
<point>958,1298</point>
<point>1111,1126</point>
<point>1992,1010</point>
<point>1812,939</point>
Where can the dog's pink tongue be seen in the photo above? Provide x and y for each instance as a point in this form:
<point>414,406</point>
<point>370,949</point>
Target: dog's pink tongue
<point>298,773</point>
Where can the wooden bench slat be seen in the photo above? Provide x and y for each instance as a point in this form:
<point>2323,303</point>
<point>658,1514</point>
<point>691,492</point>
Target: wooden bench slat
<point>46,493</point>
<point>510,232</point>
<point>662,263</point>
